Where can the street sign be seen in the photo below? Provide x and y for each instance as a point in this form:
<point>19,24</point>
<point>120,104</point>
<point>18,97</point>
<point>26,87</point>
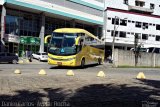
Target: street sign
<point>11,38</point>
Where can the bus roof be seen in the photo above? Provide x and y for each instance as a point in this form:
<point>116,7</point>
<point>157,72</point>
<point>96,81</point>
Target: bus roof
<point>76,30</point>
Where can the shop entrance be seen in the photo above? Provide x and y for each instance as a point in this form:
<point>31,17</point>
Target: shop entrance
<point>24,47</point>
<point>28,43</point>
<point>11,47</point>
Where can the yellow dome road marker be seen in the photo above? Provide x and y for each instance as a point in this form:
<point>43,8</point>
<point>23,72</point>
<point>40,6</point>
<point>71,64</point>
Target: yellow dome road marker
<point>42,72</point>
<point>20,62</point>
<point>101,74</point>
<point>141,75</point>
<point>17,71</point>
<point>70,73</point>
<point>27,61</point>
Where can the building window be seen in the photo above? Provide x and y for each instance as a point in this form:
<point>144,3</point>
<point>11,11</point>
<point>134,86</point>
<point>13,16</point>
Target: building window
<point>150,24</point>
<point>116,33</point>
<point>133,21</point>
<point>145,26</point>
<point>125,1</point>
<point>142,4</point>
<point>22,24</point>
<point>139,3</point>
<point>151,6</point>
<point>122,34</point>
<point>138,24</point>
<point>145,36</point>
<point>138,35</point>
<point>157,37</point>
<point>129,21</point>
<point>136,3</point>
<point>128,33</point>
<point>132,33</point>
<point>123,22</point>
<point>109,18</point>
<point>108,30</point>
<point>117,21</point>
<point>157,27</point>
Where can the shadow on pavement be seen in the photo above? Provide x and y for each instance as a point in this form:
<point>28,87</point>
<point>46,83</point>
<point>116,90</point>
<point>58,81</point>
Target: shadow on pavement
<point>95,95</point>
<point>55,94</point>
<point>110,95</point>
<point>67,67</point>
<point>152,83</point>
<point>23,98</point>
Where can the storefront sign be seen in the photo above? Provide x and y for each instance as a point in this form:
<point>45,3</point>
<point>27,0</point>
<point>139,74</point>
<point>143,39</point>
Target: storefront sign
<point>29,40</point>
<point>12,38</point>
<point>23,40</point>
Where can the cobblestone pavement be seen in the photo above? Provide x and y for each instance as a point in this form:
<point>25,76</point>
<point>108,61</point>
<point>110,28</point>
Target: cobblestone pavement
<point>118,89</point>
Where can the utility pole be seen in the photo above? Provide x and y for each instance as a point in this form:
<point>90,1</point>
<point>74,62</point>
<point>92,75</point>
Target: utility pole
<point>114,34</point>
<point>136,49</point>
<point>104,27</point>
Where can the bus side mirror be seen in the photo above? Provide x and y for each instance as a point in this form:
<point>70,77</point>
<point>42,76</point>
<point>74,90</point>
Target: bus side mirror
<point>47,38</point>
<point>77,41</point>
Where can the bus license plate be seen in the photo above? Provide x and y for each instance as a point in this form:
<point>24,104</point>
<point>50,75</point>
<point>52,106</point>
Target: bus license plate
<point>59,63</point>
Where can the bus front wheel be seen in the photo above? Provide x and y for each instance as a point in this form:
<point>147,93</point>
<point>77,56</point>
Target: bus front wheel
<point>83,63</point>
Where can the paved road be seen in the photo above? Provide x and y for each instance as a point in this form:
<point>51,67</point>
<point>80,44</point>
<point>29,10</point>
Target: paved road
<point>119,87</point>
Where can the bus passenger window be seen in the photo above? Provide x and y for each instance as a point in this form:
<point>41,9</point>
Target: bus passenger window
<point>88,40</point>
<point>80,46</point>
<point>81,42</point>
<point>81,34</point>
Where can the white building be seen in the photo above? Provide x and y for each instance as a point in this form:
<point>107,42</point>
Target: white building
<point>133,17</point>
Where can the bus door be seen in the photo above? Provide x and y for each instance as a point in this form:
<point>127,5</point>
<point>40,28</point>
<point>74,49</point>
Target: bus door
<point>90,50</point>
<point>82,49</point>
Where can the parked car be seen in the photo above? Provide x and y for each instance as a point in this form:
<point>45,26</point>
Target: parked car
<point>8,57</point>
<point>40,56</point>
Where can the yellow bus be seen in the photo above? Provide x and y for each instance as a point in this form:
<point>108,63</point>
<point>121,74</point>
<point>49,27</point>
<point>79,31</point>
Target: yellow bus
<point>74,47</point>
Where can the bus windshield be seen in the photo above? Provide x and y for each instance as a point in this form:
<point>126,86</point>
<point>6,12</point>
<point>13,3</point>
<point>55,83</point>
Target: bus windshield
<point>63,44</point>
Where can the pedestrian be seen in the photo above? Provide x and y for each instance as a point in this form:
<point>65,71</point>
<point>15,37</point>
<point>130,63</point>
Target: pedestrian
<point>30,56</point>
<point>26,53</point>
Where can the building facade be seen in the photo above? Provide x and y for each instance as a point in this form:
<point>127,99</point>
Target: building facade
<point>25,23</point>
<point>132,18</point>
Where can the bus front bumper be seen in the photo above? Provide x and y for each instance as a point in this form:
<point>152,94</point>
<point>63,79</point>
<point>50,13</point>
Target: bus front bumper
<point>62,63</point>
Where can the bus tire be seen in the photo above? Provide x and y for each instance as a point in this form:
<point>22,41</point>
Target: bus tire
<point>82,63</point>
<point>99,61</point>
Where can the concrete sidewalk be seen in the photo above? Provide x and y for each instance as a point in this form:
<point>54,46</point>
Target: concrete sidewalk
<point>26,61</point>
